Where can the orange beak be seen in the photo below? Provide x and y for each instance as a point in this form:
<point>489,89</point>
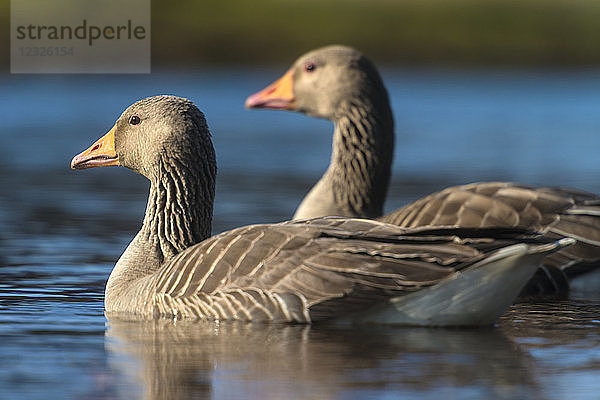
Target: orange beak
<point>279,95</point>
<point>100,154</point>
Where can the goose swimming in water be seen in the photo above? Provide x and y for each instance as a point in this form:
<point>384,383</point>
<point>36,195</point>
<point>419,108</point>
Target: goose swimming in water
<point>340,84</point>
<point>299,271</point>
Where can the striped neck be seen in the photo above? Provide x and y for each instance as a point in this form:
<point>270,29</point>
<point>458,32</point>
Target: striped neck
<point>356,182</point>
<point>361,160</point>
<point>179,210</point>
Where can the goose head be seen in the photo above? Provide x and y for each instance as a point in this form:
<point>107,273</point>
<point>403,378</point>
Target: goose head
<point>322,82</point>
<point>149,132</point>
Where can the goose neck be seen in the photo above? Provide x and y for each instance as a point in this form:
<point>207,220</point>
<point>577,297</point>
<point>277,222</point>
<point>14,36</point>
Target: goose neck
<point>362,155</point>
<point>179,210</point>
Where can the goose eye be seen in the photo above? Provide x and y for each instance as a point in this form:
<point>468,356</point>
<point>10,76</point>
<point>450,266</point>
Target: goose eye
<point>310,67</point>
<point>134,120</point>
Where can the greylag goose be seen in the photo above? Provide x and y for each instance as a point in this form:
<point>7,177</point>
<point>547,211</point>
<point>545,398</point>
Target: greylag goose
<point>340,84</point>
<point>351,270</point>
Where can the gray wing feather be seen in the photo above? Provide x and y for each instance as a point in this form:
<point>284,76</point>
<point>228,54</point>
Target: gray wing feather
<point>303,271</point>
<point>557,212</point>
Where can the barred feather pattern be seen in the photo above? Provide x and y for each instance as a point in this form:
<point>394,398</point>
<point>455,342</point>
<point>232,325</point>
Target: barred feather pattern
<point>179,211</point>
<point>305,271</point>
<point>556,212</point>
<point>361,161</point>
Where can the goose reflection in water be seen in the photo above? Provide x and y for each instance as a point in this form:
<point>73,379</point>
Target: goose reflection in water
<point>202,359</point>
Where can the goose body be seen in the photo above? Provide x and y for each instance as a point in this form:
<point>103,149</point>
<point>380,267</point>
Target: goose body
<point>340,84</point>
<point>327,268</point>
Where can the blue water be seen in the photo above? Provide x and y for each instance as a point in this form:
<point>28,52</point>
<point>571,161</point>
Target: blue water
<point>61,231</point>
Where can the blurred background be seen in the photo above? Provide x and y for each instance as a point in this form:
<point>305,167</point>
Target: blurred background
<point>546,33</point>
<point>542,33</point>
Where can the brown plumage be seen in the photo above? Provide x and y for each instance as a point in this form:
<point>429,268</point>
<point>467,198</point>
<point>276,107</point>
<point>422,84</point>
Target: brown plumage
<point>298,271</point>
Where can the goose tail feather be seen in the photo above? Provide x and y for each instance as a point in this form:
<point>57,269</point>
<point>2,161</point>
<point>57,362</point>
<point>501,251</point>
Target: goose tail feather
<point>474,297</point>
